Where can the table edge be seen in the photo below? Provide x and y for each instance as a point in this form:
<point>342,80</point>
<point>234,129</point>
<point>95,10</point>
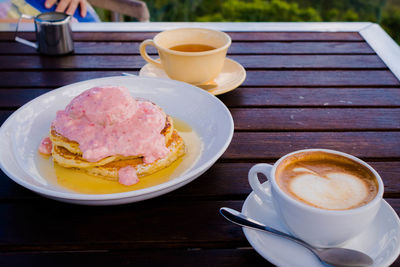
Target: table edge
<point>223,26</point>
<point>384,46</point>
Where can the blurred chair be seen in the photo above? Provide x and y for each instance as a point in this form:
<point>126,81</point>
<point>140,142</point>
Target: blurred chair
<point>133,8</point>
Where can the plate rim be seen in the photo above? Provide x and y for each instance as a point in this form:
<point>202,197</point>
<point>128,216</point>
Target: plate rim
<point>130,194</point>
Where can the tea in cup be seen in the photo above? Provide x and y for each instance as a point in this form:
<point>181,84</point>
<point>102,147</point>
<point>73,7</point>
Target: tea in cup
<point>325,197</point>
<point>192,55</point>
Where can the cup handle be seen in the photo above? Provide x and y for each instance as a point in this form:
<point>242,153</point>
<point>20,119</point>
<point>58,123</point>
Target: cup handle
<point>264,195</point>
<point>144,54</point>
<point>21,40</point>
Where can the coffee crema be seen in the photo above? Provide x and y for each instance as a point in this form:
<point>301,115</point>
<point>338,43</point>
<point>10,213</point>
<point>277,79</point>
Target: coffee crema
<point>327,181</point>
<point>192,48</point>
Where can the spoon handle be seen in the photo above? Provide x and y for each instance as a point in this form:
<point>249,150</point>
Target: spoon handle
<point>241,219</point>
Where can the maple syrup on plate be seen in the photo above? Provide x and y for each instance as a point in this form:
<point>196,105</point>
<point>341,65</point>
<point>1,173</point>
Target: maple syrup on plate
<point>81,182</point>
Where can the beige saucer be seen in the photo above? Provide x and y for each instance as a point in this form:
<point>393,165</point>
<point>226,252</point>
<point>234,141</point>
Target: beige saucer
<point>231,76</point>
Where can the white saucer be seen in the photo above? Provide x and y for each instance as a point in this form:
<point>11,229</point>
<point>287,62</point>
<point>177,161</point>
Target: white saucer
<point>381,240</point>
<point>231,76</point>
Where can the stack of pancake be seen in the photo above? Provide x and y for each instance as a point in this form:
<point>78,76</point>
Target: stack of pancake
<point>66,153</point>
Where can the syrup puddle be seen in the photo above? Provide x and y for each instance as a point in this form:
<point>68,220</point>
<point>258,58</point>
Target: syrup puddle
<point>80,182</point>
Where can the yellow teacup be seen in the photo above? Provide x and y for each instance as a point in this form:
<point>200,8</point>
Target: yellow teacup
<point>196,67</point>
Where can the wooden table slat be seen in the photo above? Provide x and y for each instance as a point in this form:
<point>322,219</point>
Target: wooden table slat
<point>301,78</point>
<point>320,78</point>
<point>316,119</point>
<point>267,145</point>
<point>181,257</point>
<point>236,48</point>
<point>312,97</point>
<point>263,97</point>
<point>136,62</point>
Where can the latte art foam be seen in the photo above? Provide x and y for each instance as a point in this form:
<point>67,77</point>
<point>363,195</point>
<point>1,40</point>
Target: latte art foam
<point>335,191</point>
<point>326,181</point>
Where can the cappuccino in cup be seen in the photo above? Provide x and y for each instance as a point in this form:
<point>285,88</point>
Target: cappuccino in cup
<point>324,197</point>
<point>326,181</point>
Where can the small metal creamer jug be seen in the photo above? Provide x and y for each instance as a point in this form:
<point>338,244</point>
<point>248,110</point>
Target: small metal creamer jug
<point>53,33</point>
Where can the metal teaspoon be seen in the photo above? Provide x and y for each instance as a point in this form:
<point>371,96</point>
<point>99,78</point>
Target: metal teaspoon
<point>330,256</point>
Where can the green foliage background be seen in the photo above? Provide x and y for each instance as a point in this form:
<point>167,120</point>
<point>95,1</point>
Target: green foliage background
<point>384,12</point>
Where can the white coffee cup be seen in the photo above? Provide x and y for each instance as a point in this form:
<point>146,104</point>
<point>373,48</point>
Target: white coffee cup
<point>319,227</point>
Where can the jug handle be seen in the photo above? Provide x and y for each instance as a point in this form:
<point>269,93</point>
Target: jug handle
<point>21,40</point>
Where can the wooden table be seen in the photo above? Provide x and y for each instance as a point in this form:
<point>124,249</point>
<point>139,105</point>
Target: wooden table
<point>308,85</point>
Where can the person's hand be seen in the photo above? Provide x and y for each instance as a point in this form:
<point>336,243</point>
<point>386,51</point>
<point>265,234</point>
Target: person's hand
<point>68,6</point>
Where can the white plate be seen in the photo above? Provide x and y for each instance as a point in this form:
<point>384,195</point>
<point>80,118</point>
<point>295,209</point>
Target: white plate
<point>232,75</point>
<point>22,132</point>
<point>381,240</point>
